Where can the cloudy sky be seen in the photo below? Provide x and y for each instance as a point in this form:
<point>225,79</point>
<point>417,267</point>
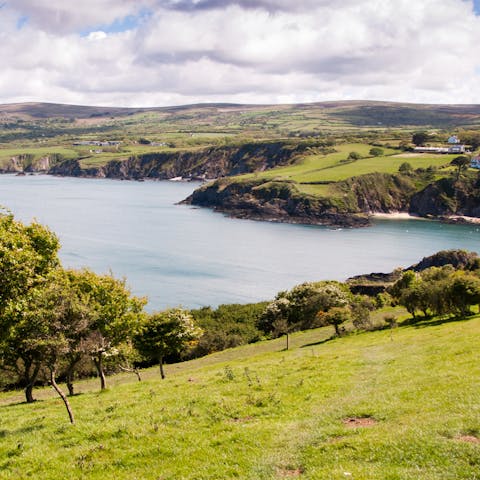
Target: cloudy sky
<point>171,52</point>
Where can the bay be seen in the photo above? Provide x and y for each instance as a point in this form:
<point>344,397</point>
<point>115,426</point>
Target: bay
<point>181,255</point>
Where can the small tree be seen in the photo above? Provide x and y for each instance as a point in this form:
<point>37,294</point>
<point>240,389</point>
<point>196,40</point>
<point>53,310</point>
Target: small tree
<point>115,316</point>
<point>354,156</point>
<point>376,152</point>
<point>420,138</point>
<point>405,168</point>
<point>335,316</point>
<point>166,333</point>
<point>462,162</point>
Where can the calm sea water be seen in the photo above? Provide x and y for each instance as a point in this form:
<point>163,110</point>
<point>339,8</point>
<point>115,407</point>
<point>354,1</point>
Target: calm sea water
<point>179,255</point>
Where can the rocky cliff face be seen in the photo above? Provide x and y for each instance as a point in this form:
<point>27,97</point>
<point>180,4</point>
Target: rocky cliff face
<point>271,201</point>
<point>213,162</point>
<point>448,196</point>
<point>363,195</point>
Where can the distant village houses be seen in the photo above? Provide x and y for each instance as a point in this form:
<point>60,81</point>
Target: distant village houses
<point>451,149</point>
<point>475,162</point>
<point>96,143</point>
<point>454,146</point>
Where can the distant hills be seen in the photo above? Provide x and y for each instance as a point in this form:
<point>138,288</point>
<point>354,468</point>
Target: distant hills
<point>354,113</point>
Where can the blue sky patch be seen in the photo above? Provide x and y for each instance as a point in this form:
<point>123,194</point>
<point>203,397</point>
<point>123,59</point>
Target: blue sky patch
<point>130,22</point>
<point>21,22</point>
<point>476,6</point>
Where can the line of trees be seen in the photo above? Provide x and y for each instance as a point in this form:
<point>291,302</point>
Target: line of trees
<point>52,319</point>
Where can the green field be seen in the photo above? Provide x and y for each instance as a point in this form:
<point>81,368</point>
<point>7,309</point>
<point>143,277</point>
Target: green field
<point>333,167</point>
<point>368,406</point>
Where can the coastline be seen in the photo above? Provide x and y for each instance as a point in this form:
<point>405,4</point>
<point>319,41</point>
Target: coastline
<point>396,216</point>
<point>453,219</point>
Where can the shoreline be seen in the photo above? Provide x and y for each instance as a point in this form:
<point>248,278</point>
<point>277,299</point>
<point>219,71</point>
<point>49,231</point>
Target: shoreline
<point>397,216</point>
<point>452,219</point>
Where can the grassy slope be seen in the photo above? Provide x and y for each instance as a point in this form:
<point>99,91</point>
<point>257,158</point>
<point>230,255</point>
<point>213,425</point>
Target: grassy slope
<point>282,417</point>
<point>332,168</point>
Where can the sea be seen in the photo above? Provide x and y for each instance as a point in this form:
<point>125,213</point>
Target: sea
<point>179,255</point>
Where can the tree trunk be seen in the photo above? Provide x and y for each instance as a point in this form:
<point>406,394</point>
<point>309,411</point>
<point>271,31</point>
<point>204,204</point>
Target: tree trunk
<point>61,394</point>
<point>30,381</point>
<point>98,361</point>
<point>132,370</point>
<point>288,339</point>
<point>337,329</point>
<point>162,373</point>
<point>69,376</point>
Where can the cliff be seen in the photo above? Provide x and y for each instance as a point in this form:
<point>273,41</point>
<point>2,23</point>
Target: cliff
<point>272,201</point>
<point>213,162</point>
<point>356,199</point>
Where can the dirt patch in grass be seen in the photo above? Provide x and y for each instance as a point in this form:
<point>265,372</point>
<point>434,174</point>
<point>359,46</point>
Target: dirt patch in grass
<point>467,438</point>
<point>289,472</point>
<point>242,419</point>
<point>355,422</point>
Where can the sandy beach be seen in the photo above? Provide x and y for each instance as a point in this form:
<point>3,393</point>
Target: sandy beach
<point>408,216</point>
<point>396,216</point>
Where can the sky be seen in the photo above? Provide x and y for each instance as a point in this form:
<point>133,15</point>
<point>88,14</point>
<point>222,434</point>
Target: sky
<point>141,53</point>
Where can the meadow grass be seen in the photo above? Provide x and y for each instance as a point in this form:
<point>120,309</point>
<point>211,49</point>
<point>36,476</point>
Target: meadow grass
<point>334,167</point>
<point>378,405</point>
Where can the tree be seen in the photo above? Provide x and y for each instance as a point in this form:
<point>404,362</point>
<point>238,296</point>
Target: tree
<point>335,316</point>
<point>405,168</point>
<point>43,329</point>
<point>166,333</point>
<point>464,292</point>
<point>299,306</point>
<point>420,138</point>
<point>27,254</point>
<point>354,156</point>
<point>376,152</point>
<point>114,316</point>
<point>462,162</point>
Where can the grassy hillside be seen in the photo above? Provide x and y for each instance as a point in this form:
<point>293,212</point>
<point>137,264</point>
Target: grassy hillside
<point>313,171</point>
<point>373,405</point>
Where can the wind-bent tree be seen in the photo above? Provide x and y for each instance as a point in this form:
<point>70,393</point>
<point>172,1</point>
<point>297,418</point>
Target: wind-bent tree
<point>27,254</point>
<point>166,333</point>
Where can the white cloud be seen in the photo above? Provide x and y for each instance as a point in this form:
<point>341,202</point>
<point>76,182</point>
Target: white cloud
<point>246,51</point>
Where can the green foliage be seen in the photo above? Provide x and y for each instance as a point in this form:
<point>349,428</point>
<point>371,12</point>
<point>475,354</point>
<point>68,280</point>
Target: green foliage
<point>27,254</point>
<point>405,167</point>
<point>166,333</point>
<point>462,162</point>
<point>298,308</point>
<point>335,316</point>
<point>420,138</point>
<point>376,152</point>
<point>227,326</point>
<point>438,291</point>
<point>354,156</point>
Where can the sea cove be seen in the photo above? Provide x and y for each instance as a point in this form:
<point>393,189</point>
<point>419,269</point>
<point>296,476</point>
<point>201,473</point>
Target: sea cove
<point>179,255</point>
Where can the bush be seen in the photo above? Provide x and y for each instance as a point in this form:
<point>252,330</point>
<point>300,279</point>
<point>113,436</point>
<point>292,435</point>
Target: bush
<point>376,152</point>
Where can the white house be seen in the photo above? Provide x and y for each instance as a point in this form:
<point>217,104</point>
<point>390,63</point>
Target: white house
<point>475,162</point>
<point>456,149</point>
<point>453,140</point>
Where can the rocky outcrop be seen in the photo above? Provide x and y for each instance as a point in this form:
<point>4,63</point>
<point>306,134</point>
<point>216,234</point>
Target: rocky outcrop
<point>213,162</point>
<point>448,196</point>
<point>359,197</point>
<point>271,201</point>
